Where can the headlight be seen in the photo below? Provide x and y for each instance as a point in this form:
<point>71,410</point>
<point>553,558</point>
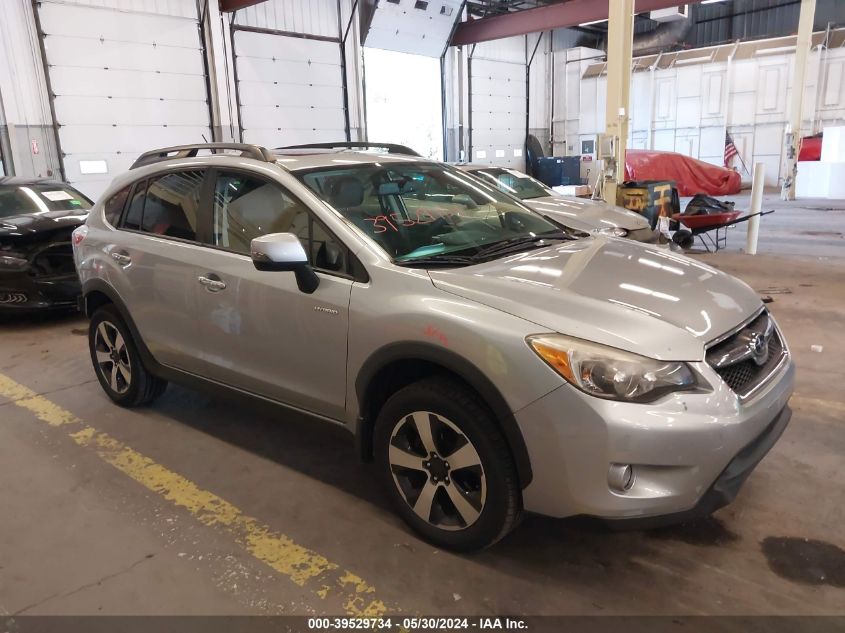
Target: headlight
<point>611,373</point>
<point>615,231</point>
<point>9,262</point>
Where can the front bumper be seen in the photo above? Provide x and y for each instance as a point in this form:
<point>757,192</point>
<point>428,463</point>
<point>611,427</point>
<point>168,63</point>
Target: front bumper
<point>690,452</point>
<point>22,291</point>
<point>727,485</point>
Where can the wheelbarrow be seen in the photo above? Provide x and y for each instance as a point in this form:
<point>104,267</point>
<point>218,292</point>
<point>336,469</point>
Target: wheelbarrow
<point>701,226</point>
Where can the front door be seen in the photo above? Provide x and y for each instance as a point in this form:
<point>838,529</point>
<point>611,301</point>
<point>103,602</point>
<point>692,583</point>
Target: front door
<point>263,334</point>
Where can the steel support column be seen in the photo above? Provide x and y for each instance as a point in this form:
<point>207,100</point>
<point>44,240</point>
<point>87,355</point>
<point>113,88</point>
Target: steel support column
<point>793,134</point>
<point>620,38</point>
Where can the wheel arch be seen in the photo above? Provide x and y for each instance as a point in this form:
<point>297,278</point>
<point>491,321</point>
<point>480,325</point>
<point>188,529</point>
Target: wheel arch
<point>97,293</point>
<point>397,365</point>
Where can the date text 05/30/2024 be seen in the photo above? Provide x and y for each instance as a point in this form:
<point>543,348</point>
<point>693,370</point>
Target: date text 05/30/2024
<point>418,624</point>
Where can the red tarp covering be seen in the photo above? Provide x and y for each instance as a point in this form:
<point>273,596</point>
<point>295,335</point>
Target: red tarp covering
<point>691,175</point>
<point>811,148</point>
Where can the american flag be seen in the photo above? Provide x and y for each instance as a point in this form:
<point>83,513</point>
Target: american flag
<point>730,149</point>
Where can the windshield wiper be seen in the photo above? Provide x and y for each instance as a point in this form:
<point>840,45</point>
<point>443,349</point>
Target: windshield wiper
<point>517,244</point>
<point>438,260</point>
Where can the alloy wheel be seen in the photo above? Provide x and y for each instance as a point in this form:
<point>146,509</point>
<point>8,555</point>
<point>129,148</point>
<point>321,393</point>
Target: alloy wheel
<point>113,357</point>
<point>437,470</point>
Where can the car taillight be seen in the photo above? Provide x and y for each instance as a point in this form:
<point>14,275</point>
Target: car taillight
<point>79,234</point>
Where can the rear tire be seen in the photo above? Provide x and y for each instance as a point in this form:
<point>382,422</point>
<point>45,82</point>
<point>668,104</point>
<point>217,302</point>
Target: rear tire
<point>117,363</point>
<point>465,505</point>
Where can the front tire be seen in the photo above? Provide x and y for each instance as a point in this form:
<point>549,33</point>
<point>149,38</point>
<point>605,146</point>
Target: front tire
<point>446,466</point>
<point>117,363</point>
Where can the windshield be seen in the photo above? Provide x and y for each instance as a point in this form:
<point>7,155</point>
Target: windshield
<point>417,210</point>
<point>513,182</point>
<point>40,197</point>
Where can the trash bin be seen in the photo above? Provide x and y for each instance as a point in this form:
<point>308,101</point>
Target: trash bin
<point>651,198</point>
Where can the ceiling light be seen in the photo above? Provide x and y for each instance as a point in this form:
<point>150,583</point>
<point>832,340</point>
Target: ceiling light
<point>593,22</point>
<point>712,1</point>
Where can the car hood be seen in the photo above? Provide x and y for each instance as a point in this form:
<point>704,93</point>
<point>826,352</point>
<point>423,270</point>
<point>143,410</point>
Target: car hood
<point>611,291</point>
<point>586,215</point>
<point>32,223</point>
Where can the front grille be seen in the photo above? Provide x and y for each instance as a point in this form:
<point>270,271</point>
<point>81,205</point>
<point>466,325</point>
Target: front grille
<point>745,375</point>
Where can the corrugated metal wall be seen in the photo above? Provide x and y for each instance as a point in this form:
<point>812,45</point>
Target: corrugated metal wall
<point>688,108</point>
<point>755,19</point>
<point>29,137</point>
<point>719,23</point>
<point>539,87</point>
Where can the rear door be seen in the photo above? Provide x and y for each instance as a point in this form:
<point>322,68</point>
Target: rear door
<point>152,264</point>
<point>263,334</point>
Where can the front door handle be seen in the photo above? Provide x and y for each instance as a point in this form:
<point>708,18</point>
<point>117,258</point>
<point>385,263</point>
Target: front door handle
<point>212,283</point>
<point>121,258</point>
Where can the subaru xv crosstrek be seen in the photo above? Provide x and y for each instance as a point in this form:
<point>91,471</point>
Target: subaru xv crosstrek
<point>487,359</point>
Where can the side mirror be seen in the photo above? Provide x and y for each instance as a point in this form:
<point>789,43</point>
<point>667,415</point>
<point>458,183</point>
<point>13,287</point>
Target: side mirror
<point>284,252</point>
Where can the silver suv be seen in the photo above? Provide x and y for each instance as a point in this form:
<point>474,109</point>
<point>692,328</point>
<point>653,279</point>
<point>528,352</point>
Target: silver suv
<point>591,216</point>
<point>486,359</point>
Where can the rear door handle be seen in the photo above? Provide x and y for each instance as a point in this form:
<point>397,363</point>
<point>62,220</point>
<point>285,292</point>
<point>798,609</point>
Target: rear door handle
<point>121,258</point>
<point>212,283</point>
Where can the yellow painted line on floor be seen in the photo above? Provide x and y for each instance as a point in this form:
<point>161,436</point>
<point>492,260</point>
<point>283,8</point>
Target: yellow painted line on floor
<point>304,567</point>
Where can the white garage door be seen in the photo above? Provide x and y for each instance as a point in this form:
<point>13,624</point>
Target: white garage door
<point>498,112</point>
<point>290,89</point>
<point>124,82</point>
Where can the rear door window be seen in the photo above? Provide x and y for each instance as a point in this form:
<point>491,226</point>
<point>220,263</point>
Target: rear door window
<point>136,207</point>
<point>114,206</point>
<point>167,205</point>
<point>172,204</point>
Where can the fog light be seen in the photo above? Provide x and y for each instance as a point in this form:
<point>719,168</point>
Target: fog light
<point>620,477</point>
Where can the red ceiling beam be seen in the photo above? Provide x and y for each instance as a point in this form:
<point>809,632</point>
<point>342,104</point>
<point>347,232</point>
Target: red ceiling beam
<point>545,18</point>
<point>227,6</point>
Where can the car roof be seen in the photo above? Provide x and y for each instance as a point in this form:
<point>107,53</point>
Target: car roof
<point>302,159</point>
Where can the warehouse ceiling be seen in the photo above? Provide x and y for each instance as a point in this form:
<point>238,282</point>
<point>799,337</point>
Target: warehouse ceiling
<point>487,8</point>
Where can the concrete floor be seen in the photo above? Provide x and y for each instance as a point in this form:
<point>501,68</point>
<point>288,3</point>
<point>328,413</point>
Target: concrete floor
<point>807,227</point>
<point>79,536</point>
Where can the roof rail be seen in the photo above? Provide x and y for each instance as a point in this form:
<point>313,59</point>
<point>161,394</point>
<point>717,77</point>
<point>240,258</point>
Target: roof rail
<point>189,151</point>
<point>392,148</point>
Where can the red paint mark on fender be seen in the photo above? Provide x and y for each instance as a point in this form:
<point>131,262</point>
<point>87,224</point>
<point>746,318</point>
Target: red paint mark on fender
<point>432,332</point>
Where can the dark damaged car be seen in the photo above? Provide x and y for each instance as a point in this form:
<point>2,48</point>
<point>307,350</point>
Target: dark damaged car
<point>37,218</point>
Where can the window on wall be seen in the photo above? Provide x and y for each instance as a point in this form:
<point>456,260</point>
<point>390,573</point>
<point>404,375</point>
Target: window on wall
<point>404,100</point>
